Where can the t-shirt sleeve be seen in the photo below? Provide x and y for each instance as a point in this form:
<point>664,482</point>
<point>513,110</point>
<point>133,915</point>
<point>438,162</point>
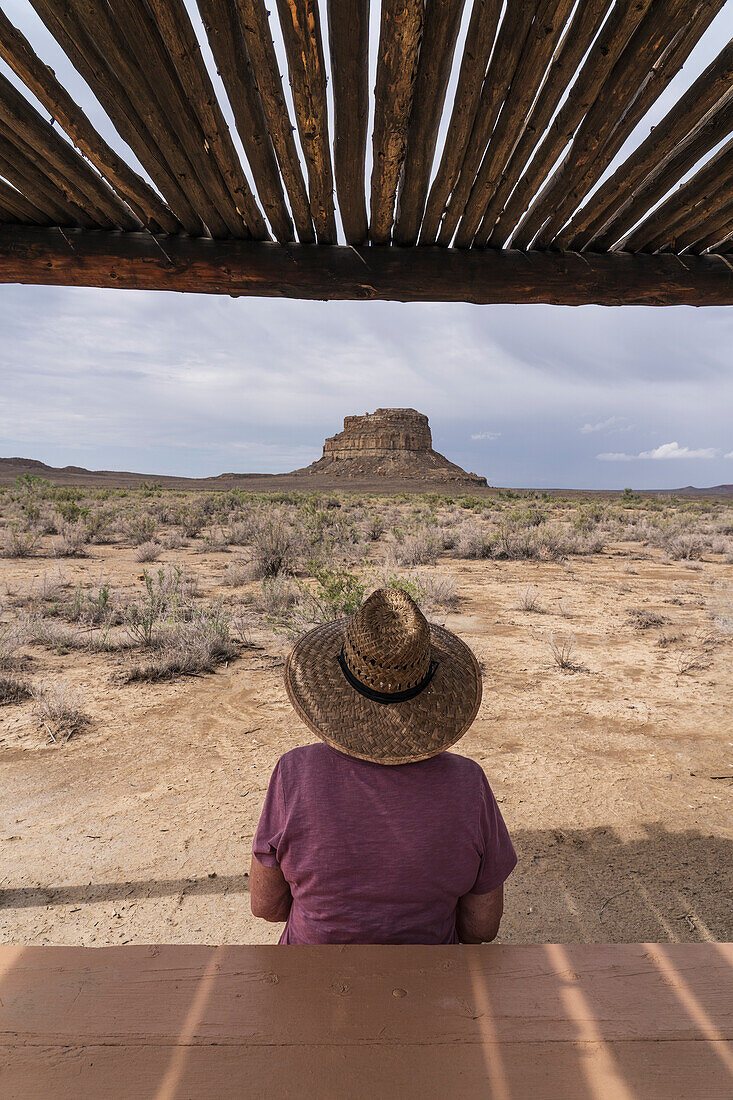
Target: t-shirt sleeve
<point>498,858</point>
<point>271,825</point>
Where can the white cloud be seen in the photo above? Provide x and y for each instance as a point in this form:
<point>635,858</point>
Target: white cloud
<point>612,424</point>
<point>729,455</point>
<point>664,451</point>
<point>486,435</point>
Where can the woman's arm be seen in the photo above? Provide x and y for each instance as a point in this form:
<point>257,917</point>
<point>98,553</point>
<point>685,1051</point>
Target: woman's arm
<point>478,916</point>
<point>269,892</point>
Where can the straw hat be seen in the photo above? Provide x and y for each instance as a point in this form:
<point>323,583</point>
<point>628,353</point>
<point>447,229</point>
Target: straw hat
<point>386,685</point>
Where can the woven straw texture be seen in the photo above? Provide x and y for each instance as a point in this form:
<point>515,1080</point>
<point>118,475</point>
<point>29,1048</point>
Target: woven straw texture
<point>389,647</point>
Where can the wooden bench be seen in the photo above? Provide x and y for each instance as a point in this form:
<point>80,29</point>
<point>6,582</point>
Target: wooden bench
<point>573,1021</point>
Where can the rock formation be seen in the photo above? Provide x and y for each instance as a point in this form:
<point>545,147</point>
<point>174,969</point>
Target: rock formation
<point>388,443</point>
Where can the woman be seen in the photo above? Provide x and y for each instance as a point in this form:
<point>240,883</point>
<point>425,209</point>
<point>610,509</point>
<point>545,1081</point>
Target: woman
<point>377,834</point>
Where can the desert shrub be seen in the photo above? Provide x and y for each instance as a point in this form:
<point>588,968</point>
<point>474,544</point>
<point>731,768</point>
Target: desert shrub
<point>18,542</point>
<point>191,519</point>
<point>374,527</point>
<point>147,551</point>
<point>237,573</point>
<point>95,608</point>
<point>244,529</point>
<point>60,708</point>
<point>562,651</point>
<point>72,541</point>
<point>420,547</point>
<point>100,526</point>
<point>174,541</point>
<point>273,550</point>
<point>196,645</point>
<point>12,637</point>
<point>277,595</point>
<point>528,599</point>
<point>685,547</point>
<point>140,527</point>
<point>13,690</point>
<point>334,594</point>
<point>473,542</point>
<point>167,594</point>
<point>643,618</point>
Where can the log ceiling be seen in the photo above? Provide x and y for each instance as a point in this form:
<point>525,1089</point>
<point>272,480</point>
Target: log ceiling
<point>485,166</point>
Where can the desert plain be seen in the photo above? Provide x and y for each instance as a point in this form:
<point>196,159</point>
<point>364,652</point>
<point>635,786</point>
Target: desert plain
<point>143,633</point>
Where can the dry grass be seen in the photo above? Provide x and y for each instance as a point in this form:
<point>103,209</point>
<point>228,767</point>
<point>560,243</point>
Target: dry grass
<point>13,690</point>
<point>528,599</point>
<point>59,708</point>
<point>147,551</point>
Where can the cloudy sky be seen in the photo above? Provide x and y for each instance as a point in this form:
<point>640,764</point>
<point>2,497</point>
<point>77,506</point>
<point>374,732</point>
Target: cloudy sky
<point>526,395</point>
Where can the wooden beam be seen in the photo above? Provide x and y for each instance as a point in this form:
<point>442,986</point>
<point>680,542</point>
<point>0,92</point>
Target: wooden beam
<point>19,208</point>
<point>539,46</point>
<point>510,40</point>
<point>301,27</point>
<point>142,55</point>
<point>253,18</point>
<point>23,172</point>
<point>348,39</point>
<point>397,60</point>
<point>576,41</point>
<point>518,216</point>
<point>250,268</point>
<point>140,197</point>
<point>711,232</point>
<point>61,162</point>
<point>688,131</point>
<point>72,37</point>
<point>652,59</point>
<point>171,28</point>
<point>229,48</point>
<point>476,53</point>
<point>695,200</point>
<point>440,31</point>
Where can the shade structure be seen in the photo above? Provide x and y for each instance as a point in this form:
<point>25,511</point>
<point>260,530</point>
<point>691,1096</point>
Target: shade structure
<point>485,163</point>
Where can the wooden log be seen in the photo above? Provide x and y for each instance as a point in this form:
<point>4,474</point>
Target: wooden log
<point>140,46</point>
<point>652,59</point>
<point>510,40</point>
<point>348,38</point>
<point>440,31</point>
<point>543,37</point>
<point>582,29</point>
<point>237,267</point>
<point>18,208</point>
<point>71,34</point>
<point>139,196</point>
<point>476,53</point>
<point>399,48</point>
<point>62,163</point>
<point>691,128</point>
<point>253,19</point>
<point>226,39</point>
<point>176,31</point>
<point>301,27</point>
<point>620,25</point>
<point>133,68</point>
<point>710,233</point>
<point>703,194</point>
<point>22,171</point>
<point>704,137</point>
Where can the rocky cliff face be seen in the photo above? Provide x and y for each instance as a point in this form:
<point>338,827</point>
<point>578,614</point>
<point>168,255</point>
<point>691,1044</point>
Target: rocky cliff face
<point>389,443</point>
<point>379,434</point>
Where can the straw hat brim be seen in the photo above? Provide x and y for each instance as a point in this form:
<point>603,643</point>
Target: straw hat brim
<point>385,733</point>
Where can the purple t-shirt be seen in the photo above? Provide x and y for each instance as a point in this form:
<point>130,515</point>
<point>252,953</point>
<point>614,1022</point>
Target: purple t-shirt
<point>377,854</point>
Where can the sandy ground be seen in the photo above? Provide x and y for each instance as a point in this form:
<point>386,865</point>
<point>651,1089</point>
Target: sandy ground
<point>139,830</point>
